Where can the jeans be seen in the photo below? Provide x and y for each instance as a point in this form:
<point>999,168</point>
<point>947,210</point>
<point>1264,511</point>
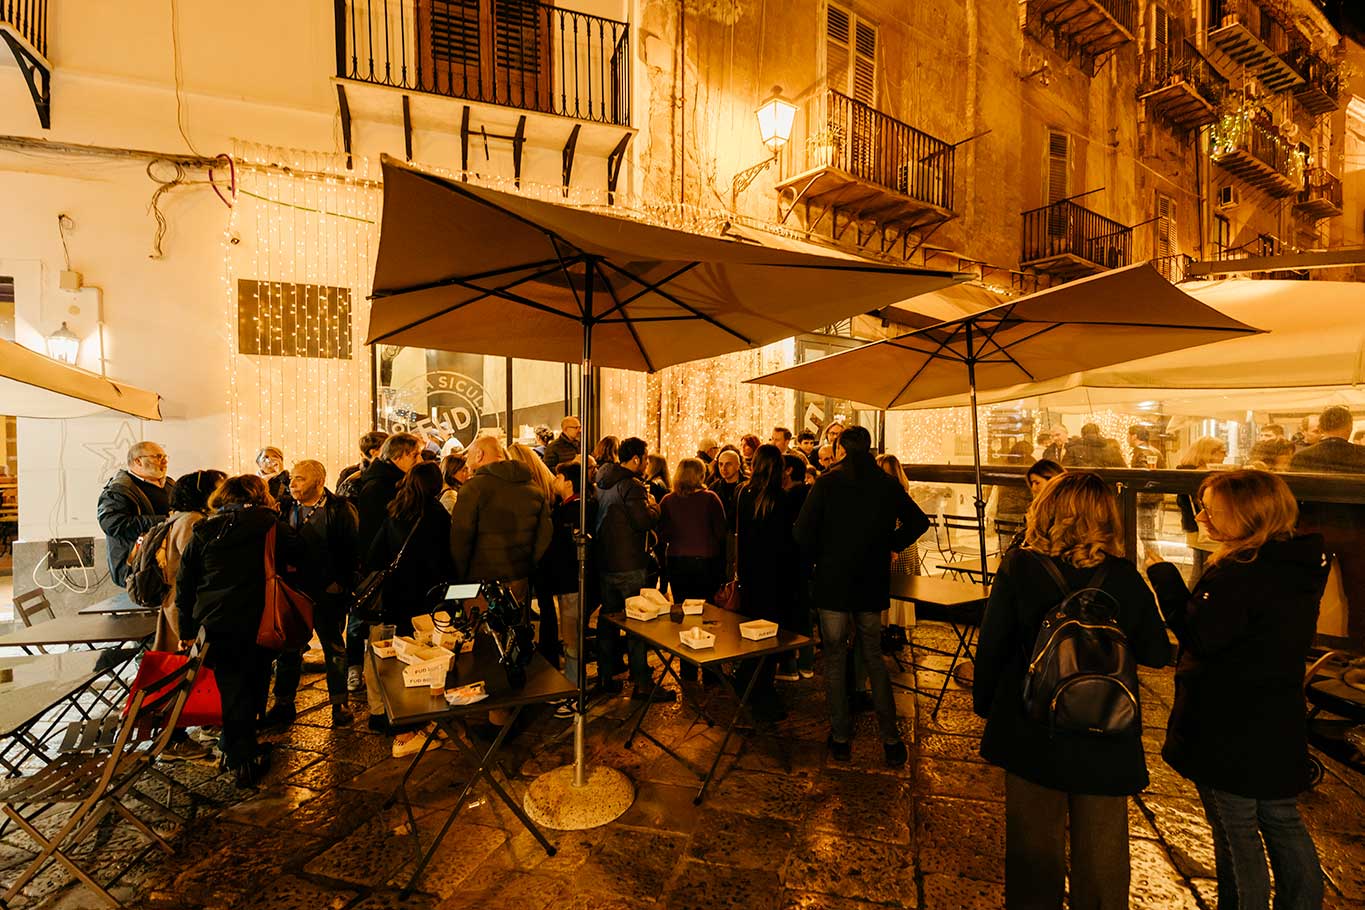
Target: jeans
<point>357,633</point>
<point>1239,824</point>
<point>616,587</point>
<point>1036,820</point>
<point>329,618</point>
<point>836,628</point>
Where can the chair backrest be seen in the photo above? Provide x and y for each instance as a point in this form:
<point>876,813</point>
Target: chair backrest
<point>167,695</point>
<point>30,604</point>
<point>960,522</point>
<point>1006,527</point>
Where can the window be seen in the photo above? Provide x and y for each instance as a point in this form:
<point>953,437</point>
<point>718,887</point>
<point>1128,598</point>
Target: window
<point>282,319</point>
<point>7,307</point>
<point>851,55</point>
<point>1167,239</point>
<point>1058,166</point>
<point>1222,235</point>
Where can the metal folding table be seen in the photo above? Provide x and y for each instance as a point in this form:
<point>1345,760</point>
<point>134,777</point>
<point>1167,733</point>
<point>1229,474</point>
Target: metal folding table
<point>660,635</point>
<point>415,706</point>
<point>82,630</point>
<point>960,604</point>
<point>119,604</point>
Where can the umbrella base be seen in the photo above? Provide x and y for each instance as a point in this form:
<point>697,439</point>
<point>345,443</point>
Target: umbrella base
<point>553,801</point>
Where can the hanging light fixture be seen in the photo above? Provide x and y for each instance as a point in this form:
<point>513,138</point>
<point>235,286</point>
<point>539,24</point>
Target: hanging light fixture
<point>775,119</point>
<point>63,345</point>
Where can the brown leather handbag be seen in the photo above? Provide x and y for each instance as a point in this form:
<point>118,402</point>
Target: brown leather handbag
<point>287,621</point>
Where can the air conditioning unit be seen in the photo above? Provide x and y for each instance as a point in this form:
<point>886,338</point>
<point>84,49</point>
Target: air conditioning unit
<point>1229,197</point>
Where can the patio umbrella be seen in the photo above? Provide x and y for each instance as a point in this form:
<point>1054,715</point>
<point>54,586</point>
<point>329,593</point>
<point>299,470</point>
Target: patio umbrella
<point>34,385</point>
<point>1108,318</point>
<point>468,269</point>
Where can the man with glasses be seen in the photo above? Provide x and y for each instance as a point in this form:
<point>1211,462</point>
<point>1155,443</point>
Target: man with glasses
<point>565,447</point>
<point>134,500</point>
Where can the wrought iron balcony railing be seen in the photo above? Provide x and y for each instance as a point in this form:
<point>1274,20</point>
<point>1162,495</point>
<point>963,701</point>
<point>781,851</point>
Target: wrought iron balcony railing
<point>1255,151</point>
<point>23,29</point>
<point>1321,196</point>
<point>1321,89</point>
<point>1066,232</point>
<point>515,53</point>
<point>28,19</point>
<point>1178,82</point>
<point>833,130</point>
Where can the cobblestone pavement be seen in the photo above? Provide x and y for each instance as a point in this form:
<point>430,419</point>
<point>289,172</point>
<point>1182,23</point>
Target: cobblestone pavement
<point>785,829</point>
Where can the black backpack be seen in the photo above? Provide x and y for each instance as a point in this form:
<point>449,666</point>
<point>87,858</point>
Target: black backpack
<point>146,582</point>
<point>1082,677</point>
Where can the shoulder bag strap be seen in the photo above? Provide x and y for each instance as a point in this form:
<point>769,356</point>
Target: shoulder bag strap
<point>270,554</point>
<point>404,548</point>
<point>1097,580</point>
<point>1047,563</point>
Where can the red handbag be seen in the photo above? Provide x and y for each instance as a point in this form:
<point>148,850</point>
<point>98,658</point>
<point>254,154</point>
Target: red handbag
<point>203,708</point>
<point>727,598</point>
<point>287,621</point>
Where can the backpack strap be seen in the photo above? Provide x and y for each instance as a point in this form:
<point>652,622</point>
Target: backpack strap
<point>1046,562</point>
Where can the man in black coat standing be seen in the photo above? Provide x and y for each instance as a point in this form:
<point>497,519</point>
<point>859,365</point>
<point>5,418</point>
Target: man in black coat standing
<point>565,447</point>
<point>135,499</point>
<point>377,486</point>
<point>855,521</point>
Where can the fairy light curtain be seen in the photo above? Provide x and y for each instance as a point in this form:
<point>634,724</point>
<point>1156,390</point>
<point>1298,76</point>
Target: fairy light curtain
<point>297,264</point>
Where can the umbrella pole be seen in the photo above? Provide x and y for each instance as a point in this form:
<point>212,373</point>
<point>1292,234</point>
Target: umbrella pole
<point>979,502</point>
<point>575,797</point>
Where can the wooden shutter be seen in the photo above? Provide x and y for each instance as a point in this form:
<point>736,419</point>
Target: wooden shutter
<point>1058,166</point>
<point>1161,44</point>
<point>1167,240</point>
<point>851,55</point>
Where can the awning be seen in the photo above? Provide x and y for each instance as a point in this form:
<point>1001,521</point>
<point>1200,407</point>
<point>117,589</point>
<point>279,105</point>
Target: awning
<point>33,385</point>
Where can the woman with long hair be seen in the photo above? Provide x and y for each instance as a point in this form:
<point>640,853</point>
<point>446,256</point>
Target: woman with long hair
<point>548,634</point>
<point>748,445</point>
<point>692,532</point>
<point>189,506</point>
<point>605,450</point>
<point>1238,727</point>
<point>898,614</point>
<point>766,557</point>
<point>1204,451</point>
<point>452,475</point>
<point>1053,776</point>
<point>220,585</point>
<point>415,513</point>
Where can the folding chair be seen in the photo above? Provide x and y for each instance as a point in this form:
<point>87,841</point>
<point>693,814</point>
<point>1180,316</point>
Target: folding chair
<point>958,552</point>
<point>98,782</point>
<point>1005,531</point>
<point>30,604</point>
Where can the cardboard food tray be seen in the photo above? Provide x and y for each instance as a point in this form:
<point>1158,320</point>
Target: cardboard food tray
<point>697,638</point>
<point>430,670</point>
<point>758,629</point>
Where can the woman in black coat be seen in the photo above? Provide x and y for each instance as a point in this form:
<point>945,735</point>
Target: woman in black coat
<point>220,585</point>
<point>766,565</point>
<point>1238,728</point>
<point>1052,776</point>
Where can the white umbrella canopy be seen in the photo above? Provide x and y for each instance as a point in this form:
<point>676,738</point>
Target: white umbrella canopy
<point>469,269</point>
<point>1111,317</point>
<point>33,385</point>
<point>1310,353</point>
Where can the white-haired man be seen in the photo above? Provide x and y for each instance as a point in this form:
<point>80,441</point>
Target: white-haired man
<point>134,500</point>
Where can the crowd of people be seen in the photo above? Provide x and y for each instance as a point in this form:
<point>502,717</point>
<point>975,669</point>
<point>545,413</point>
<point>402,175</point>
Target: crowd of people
<point>808,532</point>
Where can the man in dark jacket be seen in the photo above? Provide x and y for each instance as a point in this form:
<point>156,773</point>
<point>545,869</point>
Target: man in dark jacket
<point>565,447</point>
<point>501,523</point>
<point>375,489</point>
<point>1334,453</point>
<point>134,500</point>
<point>329,531</point>
<point>370,444</point>
<point>855,520</point>
<point>1091,450</point>
<point>626,513</point>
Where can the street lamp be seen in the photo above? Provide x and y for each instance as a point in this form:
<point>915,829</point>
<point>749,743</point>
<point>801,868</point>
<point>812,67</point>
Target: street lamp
<point>775,118</point>
<point>63,345</point>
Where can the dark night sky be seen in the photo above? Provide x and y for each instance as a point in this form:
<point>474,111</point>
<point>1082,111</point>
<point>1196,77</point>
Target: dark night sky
<point>1347,15</point>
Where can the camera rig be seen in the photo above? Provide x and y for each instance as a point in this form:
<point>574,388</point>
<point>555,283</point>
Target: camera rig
<point>497,610</point>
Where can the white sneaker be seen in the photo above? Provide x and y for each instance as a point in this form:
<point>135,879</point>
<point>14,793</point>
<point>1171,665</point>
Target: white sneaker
<point>355,679</point>
<point>807,674</point>
<point>786,677</point>
<point>412,745</point>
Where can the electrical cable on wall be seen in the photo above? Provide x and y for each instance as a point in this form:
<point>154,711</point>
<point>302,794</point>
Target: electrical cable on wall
<point>181,113</point>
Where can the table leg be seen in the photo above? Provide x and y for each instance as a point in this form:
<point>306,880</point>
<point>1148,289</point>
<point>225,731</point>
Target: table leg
<point>658,681</point>
<point>730,727</point>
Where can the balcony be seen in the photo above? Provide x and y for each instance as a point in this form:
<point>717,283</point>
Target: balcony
<point>1321,89</point>
<point>23,28</point>
<point>1243,35</point>
<point>1320,196</point>
<point>852,161</point>
<point>1067,241</point>
<point>512,53</point>
<point>1179,85</point>
<point>1245,144</point>
<point>1087,29</point>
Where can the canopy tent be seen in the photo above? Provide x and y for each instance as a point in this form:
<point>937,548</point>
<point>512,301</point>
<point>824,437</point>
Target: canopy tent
<point>1082,325</point>
<point>1311,354</point>
<point>464,268</point>
<point>34,385</point>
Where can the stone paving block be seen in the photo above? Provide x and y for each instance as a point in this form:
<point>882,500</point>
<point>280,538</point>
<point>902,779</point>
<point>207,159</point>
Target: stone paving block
<point>698,754</point>
<point>392,899</point>
<point>631,762</point>
<point>368,856</point>
<point>1167,782</point>
<point>507,890</point>
<point>702,886</point>
<point>334,814</point>
<point>355,745</point>
<point>955,892</point>
<point>1155,884</point>
<point>230,876</point>
<point>972,780</point>
<point>521,852</point>
<point>1138,823</point>
<point>269,806</point>
<point>961,837</point>
<point>631,862</point>
<point>764,795</point>
<point>734,839</point>
<point>1341,856</point>
<point>960,722</point>
<point>1333,806</point>
<point>665,807</point>
<point>461,853</point>
<point>324,775</point>
<point>1185,830</point>
<point>293,892</point>
<point>860,806</point>
<point>780,755</point>
<point>860,869</point>
<point>811,900</point>
<point>950,746</point>
<point>1206,890</point>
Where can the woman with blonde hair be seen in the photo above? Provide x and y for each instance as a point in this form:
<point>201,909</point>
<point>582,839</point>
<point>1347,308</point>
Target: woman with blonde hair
<point>541,582</point>
<point>1204,451</point>
<point>1238,725</point>
<point>1073,533</point>
<point>900,614</point>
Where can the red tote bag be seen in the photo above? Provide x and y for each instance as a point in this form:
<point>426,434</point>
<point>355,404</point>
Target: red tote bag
<point>287,621</point>
<point>204,707</point>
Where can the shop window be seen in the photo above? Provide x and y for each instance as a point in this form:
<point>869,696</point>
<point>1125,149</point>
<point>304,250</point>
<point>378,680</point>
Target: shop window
<point>284,319</point>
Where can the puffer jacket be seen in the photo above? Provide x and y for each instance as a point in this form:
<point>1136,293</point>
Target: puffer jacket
<point>624,518</point>
<point>500,526</point>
